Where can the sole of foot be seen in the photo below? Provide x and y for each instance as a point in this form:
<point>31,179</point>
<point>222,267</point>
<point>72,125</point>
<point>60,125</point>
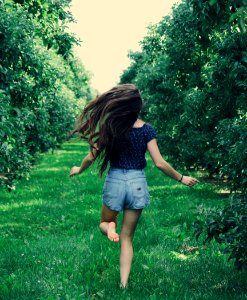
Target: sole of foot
<point>111,232</point>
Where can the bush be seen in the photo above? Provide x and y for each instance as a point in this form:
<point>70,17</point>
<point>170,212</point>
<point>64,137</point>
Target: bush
<point>232,152</point>
<point>15,157</point>
<point>228,226</point>
<point>40,91</point>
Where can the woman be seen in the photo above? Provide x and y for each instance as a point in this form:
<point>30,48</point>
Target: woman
<point>118,138</point>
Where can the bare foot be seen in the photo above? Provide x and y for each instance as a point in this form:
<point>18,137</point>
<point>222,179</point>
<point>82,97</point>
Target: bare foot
<point>111,232</point>
<point>123,286</point>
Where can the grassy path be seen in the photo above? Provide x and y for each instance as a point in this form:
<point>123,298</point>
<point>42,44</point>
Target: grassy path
<point>51,247</point>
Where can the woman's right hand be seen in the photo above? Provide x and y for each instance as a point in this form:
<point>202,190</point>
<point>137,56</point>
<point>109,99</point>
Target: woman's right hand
<point>189,181</point>
<point>75,171</point>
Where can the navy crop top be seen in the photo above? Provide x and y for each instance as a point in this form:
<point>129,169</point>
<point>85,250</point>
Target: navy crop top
<point>133,155</point>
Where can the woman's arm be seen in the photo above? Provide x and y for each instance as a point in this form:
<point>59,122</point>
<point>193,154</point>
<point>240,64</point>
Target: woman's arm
<point>161,164</point>
<point>86,163</point>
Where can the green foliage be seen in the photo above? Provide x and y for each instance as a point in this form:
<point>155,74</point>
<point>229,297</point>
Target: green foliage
<point>41,90</point>
<point>191,74</point>
<point>231,137</point>
<point>52,17</point>
<point>15,157</point>
<point>228,226</point>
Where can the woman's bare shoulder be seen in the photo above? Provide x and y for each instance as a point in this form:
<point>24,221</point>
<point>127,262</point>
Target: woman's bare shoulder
<point>138,123</point>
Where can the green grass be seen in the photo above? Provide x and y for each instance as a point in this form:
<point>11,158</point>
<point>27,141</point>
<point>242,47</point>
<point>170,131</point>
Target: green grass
<point>51,247</point>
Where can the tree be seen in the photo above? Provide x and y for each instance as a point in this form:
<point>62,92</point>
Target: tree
<point>41,86</point>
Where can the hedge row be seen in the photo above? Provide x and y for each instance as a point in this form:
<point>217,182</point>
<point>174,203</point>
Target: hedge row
<point>41,86</point>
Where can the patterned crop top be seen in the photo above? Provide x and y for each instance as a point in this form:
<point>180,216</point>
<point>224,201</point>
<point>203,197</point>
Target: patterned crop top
<point>133,155</point>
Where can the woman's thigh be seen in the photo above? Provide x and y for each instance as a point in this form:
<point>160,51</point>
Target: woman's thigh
<point>130,220</point>
<point>108,215</point>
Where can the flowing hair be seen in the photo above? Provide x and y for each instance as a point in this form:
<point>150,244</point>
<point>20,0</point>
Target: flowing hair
<point>106,121</point>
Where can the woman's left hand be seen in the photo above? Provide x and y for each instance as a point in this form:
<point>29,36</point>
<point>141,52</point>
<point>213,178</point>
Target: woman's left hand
<point>189,181</point>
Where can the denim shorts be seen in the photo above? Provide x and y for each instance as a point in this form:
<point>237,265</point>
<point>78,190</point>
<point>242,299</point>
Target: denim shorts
<point>125,189</point>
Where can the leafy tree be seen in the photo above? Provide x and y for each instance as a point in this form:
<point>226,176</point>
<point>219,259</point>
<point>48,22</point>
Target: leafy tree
<point>41,88</point>
<point>53,17</point>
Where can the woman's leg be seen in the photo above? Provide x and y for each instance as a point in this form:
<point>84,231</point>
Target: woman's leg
<point>130,220</point>
<point>108,223</point>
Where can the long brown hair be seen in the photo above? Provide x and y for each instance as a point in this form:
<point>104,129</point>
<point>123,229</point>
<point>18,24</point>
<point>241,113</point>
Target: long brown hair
<point>106,121</point>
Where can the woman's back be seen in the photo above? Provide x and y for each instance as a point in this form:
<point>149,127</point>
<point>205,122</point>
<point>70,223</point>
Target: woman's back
<point>131,155</point>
